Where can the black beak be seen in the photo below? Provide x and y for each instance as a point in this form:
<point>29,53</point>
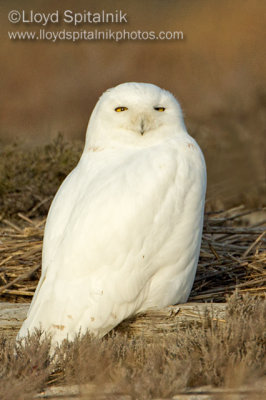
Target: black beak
<point>142,127</point>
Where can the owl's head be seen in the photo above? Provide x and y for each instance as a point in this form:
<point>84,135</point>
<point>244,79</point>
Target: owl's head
<point>134,114</point>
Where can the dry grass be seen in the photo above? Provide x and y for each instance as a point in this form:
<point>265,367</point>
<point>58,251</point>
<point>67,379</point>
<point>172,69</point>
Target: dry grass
<point>24,373</point>
<point>29,177</point>
<point>232,257</point>
<point>229,355</point>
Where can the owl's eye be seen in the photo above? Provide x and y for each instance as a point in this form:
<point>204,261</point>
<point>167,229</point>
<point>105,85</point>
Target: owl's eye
<point>160,109</point>
<point>119,109</point>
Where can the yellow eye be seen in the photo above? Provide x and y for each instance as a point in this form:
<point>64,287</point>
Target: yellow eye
<point>119,109</point>
<point>160,109</point>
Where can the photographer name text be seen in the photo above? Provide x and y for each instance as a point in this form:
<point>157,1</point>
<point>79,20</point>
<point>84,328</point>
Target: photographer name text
<point>68,17</point>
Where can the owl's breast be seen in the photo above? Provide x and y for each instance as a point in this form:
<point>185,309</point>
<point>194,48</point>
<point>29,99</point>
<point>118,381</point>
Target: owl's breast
<point>113,205</point>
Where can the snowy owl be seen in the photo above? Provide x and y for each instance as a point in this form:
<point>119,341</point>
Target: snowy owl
<point>124,230</point>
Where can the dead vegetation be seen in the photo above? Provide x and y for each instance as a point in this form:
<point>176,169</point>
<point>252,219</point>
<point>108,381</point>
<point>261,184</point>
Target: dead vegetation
<point>232,257</point>
<point>229,355</point>
<point>29,177</point>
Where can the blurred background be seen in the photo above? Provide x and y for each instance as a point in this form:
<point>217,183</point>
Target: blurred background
<point>217,73</point>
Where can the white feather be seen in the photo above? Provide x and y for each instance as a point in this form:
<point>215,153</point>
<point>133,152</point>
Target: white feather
<point>124,230</point>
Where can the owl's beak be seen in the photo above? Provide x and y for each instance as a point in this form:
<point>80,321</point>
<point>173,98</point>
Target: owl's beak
<point>142,130</point>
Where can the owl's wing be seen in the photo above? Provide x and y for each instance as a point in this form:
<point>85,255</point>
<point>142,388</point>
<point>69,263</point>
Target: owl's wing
<point>54,230</point>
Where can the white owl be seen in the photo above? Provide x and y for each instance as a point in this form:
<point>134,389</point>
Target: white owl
<point>124,230</point>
